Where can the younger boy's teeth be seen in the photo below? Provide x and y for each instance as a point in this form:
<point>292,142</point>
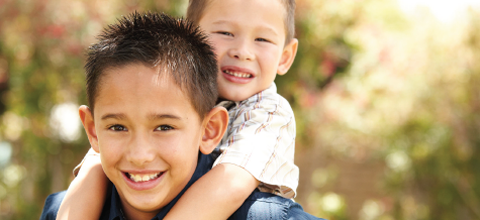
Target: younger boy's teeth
<point>143,178</point>
<point>236,74</point>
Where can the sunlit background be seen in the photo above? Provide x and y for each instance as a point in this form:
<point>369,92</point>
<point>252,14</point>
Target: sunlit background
<point>386,95</point>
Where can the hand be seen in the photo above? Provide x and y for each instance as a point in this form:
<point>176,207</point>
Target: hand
<point>90,161</point>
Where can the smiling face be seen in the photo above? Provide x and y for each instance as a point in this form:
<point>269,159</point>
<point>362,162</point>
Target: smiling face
<point>148,136</point>
<point>248,37</point>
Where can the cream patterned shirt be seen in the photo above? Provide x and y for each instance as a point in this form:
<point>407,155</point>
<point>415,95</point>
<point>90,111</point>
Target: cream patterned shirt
<point>261,139</point>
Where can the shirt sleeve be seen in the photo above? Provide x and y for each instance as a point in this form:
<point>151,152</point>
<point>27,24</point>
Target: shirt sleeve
<point>52,205</point>
<point>261,139</point>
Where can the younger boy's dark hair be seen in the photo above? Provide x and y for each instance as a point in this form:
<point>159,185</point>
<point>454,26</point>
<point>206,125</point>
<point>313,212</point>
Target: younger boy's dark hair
<point>196,7</point>
<point>176,45</point>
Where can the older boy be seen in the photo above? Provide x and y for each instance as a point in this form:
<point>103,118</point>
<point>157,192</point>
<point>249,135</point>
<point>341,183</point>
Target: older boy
<point>151,86</point>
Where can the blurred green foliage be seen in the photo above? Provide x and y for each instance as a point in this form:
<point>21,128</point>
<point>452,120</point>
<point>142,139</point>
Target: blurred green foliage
<point>386,105</point>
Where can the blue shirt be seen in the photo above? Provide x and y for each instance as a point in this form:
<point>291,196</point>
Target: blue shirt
<point>258,205</point>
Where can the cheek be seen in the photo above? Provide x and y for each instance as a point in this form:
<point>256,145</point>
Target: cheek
<point>109,161</point>
<point>218,45</point>
<point>110,146</point>
<point>111,150</point>
<point>270,55</point>
<point>183,153</point>
<point>179,148</point>
<point>269,59</point>
<point>182,165</point>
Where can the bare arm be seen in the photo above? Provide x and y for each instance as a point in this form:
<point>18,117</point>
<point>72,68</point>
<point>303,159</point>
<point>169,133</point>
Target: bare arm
<point>216,195</point>
<point>87,192</point>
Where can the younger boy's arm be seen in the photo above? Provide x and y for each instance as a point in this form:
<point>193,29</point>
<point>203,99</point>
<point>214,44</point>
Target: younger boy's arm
<point>87,192</point>
<point>216,195</point>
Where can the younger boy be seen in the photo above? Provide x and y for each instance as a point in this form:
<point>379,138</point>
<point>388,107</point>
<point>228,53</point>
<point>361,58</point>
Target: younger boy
<point>253,41</point>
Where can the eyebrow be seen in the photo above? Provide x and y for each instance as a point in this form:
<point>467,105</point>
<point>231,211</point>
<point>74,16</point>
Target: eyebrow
<point>221,22</point>
<point>269,29</point>
<point>153,116</point>
<point>114,116</point>
<point>163,116</point>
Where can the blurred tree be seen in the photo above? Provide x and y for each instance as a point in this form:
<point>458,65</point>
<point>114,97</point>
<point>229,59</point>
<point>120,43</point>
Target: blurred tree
<point>441,136</point>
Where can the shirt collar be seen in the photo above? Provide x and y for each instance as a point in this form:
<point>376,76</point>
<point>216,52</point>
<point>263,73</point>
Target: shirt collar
<point>115,206</point>
<point>272,89</point>
<point>203,166</point>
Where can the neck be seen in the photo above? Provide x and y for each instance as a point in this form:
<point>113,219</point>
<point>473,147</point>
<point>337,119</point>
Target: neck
<point>130,213</point>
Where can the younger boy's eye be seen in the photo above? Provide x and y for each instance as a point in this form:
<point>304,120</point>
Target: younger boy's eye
<point>163,128</point>
<point>262,40</point>
<point>117,128</point>
<point>225,33</point>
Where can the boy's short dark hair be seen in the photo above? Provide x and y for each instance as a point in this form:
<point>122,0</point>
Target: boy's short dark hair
<point>153,39</point>
<point>196,8</point>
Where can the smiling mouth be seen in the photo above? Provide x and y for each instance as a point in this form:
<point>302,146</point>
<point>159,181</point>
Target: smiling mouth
<point>143,178</point>
<point>238,74</point>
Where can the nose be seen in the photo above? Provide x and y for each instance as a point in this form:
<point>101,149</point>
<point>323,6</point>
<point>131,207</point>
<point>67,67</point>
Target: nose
<point>141,151</point>
<point>242,50</point>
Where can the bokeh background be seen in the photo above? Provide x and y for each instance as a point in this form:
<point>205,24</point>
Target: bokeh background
<point>386,95</point>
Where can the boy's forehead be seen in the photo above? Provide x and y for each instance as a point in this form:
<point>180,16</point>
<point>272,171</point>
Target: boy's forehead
<point>111,76</point>
<point>282,10</point>
<point>156,75</point>
<point>210,2</point>
<point>227,5</point>
<point>139,78</point>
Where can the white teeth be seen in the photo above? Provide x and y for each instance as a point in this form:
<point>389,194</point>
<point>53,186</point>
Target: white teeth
<point>236,74</point>
<point>143,178</point>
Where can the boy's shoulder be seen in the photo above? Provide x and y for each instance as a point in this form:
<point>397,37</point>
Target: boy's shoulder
<point>52,205</point>
<point>53,202</point>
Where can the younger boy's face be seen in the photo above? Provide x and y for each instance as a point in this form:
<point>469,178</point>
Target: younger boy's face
<point>249,38</point>
<point>148,136</point>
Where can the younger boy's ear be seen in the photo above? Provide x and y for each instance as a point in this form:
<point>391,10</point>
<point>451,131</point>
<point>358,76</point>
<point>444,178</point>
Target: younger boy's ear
<point>288,55</point>
<point>89,125</point>
<point>215,124</point>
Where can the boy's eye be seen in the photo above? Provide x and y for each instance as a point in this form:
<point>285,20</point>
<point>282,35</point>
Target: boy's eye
<point>262,40</point>
<point>225,33</point>
<point>163,128</point>
<point>117,128</point>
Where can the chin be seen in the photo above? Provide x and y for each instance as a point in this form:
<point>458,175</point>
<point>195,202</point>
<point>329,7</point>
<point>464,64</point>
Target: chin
<point>235,98</point>
<point>147,203</point>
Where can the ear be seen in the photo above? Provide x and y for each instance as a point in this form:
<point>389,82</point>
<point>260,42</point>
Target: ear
<point>214,125</point>
<point>89,125</point>
<point>288,55</point>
